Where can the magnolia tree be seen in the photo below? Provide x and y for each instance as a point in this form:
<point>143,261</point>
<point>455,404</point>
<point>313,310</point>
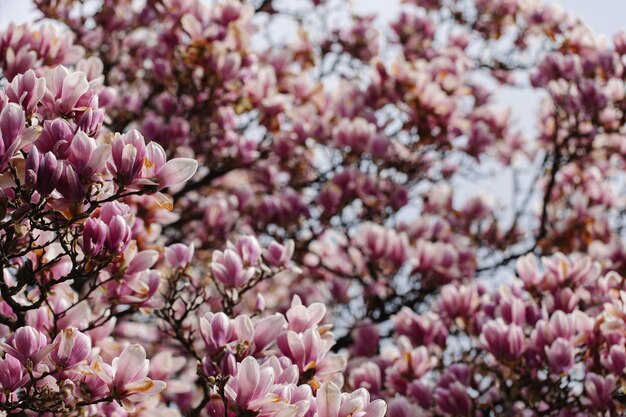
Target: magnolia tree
<point>193,194</point>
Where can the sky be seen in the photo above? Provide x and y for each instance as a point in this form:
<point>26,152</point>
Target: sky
<point>604,16</point>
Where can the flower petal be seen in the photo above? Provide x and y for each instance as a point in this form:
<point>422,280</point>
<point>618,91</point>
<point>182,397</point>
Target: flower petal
<point>176,171</point>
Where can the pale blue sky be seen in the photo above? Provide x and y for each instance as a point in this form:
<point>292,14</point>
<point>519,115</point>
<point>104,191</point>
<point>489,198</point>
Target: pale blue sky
<point>604,16</point>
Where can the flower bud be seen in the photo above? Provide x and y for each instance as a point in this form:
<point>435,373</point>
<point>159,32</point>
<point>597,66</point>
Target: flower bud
<point>48,174</point>
<point>119,234</point>
<point>69,184</point>
<point>12,122</point>
<point>95,233</point>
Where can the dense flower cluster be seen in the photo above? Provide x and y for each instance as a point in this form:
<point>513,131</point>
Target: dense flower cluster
<point>549,343</point>
<point>192,195</point>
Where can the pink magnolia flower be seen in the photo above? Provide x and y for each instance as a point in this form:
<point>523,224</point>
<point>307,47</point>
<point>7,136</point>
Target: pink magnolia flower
<point>560,355</point>
<point>14,135</point>
<point>179,255</point>
<point>71,348</point>
<point>266,330</point>
<point>599,392</point>
<point>502,340</point>
<point>560,325</point>
<point>453,399</point>
<point>167,174</point>
<point>128,152</point>
<point>356,135</point>
<point>615,360</point>
<point>228,269</point>
<point>12,375</point>
<point>27,90</point>
<point>459,301</point>
<point>136,262</point>
<point>422,392</point>
<point>301,317</point>
<point>168,364</point>
<point>295,400</point>
<point>92,382</point>
<point>95,233</point>
<point>512,309</point>
<point>128,378</point>
<point>86,156</point>
<point>303,349</point>
<point>65,89</point>
<point>366,376</point>
<point>56,137</point>
<point>278,255</point>
<point>69,185</point>
<point>217,331</point>
<point>401,407</point>
<point>119,234</point>
<point>422,329</point>
<point>91,121</point>
<point>378,242</point>
<point>43,171</point>
<point>27,344</point>
<point>366,339</point>
<point>332,403</point>
<point>414,361</point>
<point>248,249</point>
<point>249,387</point>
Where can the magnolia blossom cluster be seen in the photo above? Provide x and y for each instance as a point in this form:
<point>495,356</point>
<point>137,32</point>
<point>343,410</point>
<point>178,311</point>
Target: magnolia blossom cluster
<point>279,365</point>
<point>66,373</point>
<point>550,343</point>
<point>189,202</point>
<point>311,140</point>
